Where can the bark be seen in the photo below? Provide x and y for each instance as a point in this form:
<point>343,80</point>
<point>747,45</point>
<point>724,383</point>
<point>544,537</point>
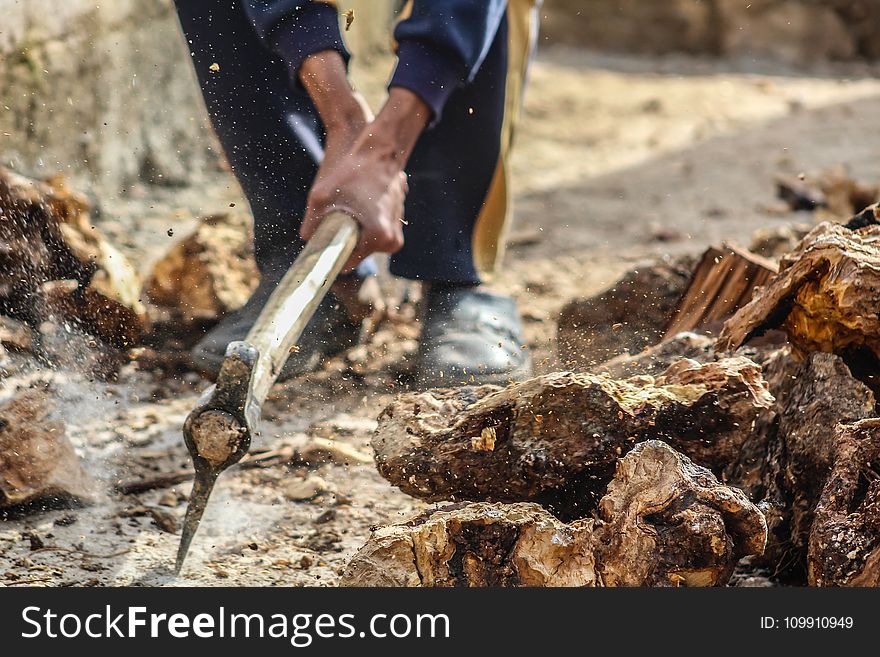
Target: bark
<point>788,457</point>
<point>845,538</point>
<point>825,296</point>
<point>207,274</point>
<point>38,465</point>
<point>46,236</point>
<point>663,522</point>
<point>823,395</point>
<point>557,438</point>
<point>626,318</point>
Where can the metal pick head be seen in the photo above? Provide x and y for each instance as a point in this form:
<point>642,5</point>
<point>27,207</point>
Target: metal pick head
<point>217,434</point>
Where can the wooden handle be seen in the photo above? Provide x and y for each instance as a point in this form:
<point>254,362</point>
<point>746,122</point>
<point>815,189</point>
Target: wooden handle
<point>296,298</point>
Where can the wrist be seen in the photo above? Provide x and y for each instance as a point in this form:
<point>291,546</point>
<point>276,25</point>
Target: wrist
<point>398,126</point>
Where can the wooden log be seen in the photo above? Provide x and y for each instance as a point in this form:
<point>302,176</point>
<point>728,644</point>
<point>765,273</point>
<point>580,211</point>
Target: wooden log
<point>663,522</point>
<point>38,465</point>
<point>723,282</point>
<point>626,318</point>
<point>789,454</point>
<point>822,395</point>
<point>844,545</point>
<point>825,296</point>
<point>46,236</point>
<point>207,274</point>
<point>556,438</point>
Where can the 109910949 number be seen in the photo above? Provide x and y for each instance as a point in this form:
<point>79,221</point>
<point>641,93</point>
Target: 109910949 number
<point>817,622</point>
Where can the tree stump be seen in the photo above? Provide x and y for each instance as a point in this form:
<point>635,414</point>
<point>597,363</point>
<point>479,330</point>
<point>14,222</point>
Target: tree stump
<point>845,538</point>
<point>557,438</point>
<point>664,521</point>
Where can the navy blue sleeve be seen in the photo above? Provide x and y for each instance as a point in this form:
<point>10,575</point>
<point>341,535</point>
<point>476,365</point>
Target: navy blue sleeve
<point>442,44</point>
<point>295,29</point>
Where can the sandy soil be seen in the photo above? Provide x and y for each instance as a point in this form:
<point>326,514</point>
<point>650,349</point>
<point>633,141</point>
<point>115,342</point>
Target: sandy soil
<point>618,159</point>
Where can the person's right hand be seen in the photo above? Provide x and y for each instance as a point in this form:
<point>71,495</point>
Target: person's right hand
<point>368,185</point>
<point>362,171</point>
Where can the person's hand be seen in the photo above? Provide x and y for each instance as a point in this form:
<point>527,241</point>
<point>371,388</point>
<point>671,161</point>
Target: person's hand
<point>368,183</point>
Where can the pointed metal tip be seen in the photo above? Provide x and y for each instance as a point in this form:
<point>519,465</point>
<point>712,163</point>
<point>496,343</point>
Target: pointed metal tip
<point>198,500</point>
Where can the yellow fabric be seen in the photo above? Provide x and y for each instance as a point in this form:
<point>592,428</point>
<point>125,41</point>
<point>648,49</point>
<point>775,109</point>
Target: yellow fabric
<point>493,223</point>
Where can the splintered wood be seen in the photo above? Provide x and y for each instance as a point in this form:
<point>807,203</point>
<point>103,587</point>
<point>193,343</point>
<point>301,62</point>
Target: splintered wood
<point>557,438</point>
<point>825,296</point>
<point>54,261</point>
<point>723,282</point>
<point>663,522</point>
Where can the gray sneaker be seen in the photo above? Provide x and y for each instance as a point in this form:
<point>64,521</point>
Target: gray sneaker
<point>329,332</point>
<point>470,336</point>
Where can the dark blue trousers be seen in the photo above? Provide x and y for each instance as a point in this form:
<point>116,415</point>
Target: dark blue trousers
<point>272,137</point>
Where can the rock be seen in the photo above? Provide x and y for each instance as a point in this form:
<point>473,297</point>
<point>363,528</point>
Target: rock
<point>38,465</point>
<point>663,522</point>
<point>302,490</point>
<point>207,274</point>
<point>557,437</point>
<point>626,318</point>
<point>844,545</point>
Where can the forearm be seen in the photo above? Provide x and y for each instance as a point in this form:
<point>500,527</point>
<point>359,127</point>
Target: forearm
<point>324,77</point>
<point>394,133</point>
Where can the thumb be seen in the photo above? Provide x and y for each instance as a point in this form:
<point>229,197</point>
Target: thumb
<point>310,222</point>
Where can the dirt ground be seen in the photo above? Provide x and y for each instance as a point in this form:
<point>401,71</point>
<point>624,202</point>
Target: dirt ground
<point>618,159</point>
